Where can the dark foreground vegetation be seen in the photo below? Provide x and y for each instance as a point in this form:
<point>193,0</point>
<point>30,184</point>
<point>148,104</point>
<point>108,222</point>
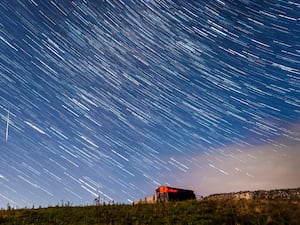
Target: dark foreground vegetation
<point>229,212</point>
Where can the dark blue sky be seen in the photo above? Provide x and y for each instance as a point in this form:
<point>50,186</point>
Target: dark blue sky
<point>114,98</point>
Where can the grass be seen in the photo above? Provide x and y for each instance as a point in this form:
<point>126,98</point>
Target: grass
<point>223,212</point>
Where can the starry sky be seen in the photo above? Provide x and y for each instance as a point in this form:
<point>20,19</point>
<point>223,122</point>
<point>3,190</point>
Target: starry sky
<point>113,98</point>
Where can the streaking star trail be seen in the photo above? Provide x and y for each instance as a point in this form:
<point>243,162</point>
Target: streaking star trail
<point>7,125</point>
<point>114,98</point>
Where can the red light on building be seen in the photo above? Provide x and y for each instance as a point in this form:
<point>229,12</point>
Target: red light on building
<point>165,193</point>
<point>164,189</point>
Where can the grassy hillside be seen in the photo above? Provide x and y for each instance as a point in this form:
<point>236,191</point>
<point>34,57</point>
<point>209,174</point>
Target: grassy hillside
<point>231,212</point>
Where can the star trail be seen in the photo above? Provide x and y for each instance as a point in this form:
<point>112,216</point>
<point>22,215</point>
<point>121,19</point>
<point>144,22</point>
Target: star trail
<point>113,98</point>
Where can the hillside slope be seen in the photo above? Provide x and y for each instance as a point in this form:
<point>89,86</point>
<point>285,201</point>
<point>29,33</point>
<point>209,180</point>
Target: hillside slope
<point>212,212</point>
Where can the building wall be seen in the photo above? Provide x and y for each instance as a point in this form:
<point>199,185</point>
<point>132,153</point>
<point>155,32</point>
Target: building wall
<point>147,200</point>
<point>165,194</point>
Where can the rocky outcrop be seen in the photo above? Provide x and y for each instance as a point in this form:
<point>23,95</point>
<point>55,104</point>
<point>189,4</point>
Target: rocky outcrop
<point>261,194</point>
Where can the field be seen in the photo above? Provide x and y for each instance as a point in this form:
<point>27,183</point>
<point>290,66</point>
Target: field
<point>223,212</point>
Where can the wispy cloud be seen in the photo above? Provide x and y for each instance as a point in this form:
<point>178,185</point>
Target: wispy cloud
<point>269,166</point>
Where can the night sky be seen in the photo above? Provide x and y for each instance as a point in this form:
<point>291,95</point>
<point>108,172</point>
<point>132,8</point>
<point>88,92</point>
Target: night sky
<point>113,98</point>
